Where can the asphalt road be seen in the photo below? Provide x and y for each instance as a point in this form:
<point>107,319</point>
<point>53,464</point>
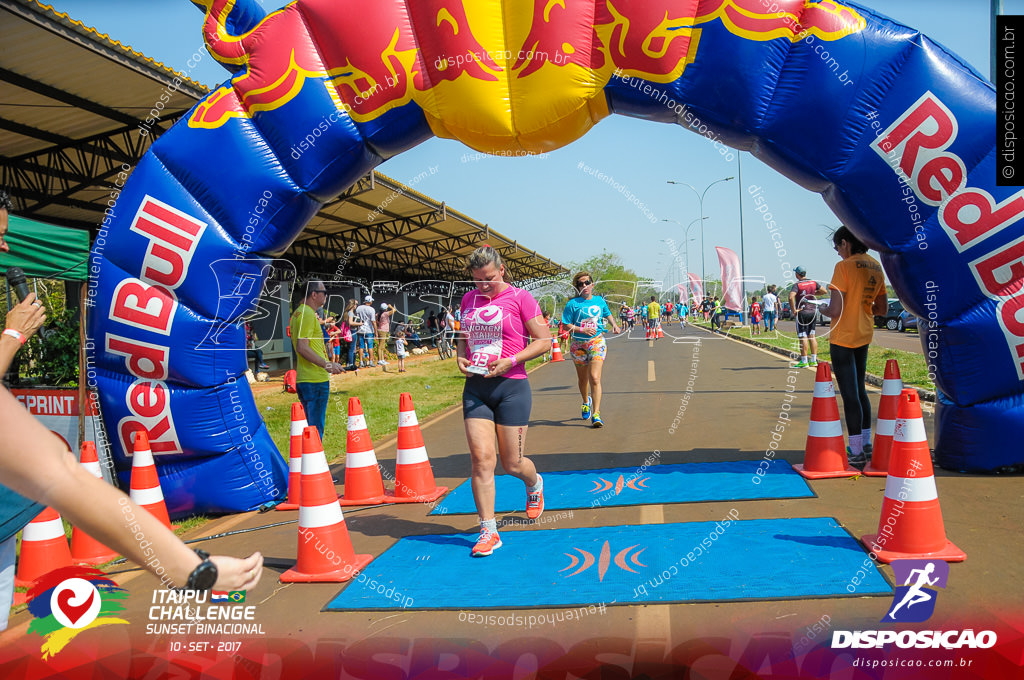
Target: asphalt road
<point>736,398</point>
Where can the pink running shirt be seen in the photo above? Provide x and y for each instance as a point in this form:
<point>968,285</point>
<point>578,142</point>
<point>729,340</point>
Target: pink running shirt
<point>496,329</point>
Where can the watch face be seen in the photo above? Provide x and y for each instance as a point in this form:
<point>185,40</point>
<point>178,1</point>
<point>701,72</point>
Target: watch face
<point>203,577</point>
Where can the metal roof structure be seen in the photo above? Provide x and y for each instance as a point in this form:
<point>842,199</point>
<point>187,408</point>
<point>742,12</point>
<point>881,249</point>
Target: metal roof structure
<point>72,105</point>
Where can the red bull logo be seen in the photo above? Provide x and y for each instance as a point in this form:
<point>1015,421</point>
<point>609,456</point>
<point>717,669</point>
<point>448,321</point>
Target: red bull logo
<point>510,72</point>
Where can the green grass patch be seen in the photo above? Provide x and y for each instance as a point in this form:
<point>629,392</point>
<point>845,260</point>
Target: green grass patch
<point>913,367</point>
<point>435,385</point>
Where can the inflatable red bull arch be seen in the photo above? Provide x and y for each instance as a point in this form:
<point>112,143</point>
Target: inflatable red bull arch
<point>896,133</point>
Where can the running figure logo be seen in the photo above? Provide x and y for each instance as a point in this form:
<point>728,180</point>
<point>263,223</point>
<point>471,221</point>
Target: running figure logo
<point>913,602</point>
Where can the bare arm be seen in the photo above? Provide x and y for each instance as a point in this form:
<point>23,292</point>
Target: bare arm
<point>26,318</point>
<point>53,477</point>
<point>834,308</point>
<point>881,304</point>
<point>307,353</point>
<point>540,344</point>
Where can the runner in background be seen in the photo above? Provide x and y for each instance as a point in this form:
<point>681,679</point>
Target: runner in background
<point>585,316</point>
<point>502,328</point>
<point>802,300</point>
<point>654,317</point>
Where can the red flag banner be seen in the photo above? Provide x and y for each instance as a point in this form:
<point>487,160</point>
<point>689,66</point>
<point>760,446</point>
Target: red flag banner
<point>732,288</point>
<point>696,289</point>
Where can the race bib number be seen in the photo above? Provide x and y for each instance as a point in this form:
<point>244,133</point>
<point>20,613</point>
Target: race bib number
<point>484,329</point>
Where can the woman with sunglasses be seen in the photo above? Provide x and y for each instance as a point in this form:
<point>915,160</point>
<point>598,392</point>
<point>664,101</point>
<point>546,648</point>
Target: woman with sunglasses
<point>858,293</point>
<point>585,316</point>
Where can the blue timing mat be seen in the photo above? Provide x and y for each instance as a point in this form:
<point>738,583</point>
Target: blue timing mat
<point>761,559</point>
<point>680,483</point>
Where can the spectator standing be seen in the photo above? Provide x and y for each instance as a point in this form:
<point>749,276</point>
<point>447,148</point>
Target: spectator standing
<point>364,334</point>
<point>383,330</point>
<point>858,293</point>
<point>770,308</point>
<point>431,326</point>
<point>314,369</point>
<point>353,323</point>
<point>400,350</point>
<point>755,316</point>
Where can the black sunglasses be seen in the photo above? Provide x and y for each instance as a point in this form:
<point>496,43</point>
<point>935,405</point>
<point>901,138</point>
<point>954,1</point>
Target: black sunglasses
<point>583,283</point>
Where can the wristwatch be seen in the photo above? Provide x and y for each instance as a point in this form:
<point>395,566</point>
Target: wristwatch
<point>203,576</point>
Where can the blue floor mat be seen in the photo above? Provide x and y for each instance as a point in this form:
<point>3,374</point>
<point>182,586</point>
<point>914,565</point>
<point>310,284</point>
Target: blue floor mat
<point>609,487</point>
<point>762,559</point>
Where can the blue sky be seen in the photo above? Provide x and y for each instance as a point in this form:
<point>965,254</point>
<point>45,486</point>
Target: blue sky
<point>550,205</point>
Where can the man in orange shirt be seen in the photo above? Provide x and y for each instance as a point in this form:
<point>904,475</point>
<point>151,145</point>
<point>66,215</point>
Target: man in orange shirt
<point>858,293</point>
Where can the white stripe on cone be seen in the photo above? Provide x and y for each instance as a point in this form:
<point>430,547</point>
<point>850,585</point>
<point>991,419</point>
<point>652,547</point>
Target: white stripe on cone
<point>142,458</point>
<point>94,468</point>
<point>910,489</point>
<point>320,515</point>
<point>297,427</point>
<point>360,459</point>
<point>885,427</point>
<point>824,390</point>
<point>313,464</point>
<point>407,419</point>
<point>892,387</point>
<point>147,496</point>
<point>43,531</point>
<point>357,422</point>
<point>910,431</point>
<point>411,456</point>
<point>295,464</point>
<point>828,428</point>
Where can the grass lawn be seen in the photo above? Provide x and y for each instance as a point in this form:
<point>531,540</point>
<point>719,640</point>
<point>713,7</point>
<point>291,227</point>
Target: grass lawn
<point>913,367</point>
<point>435,385</point>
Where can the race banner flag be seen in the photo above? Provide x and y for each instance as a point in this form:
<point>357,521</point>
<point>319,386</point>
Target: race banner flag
<point>732,288</point>
<point>696,289</point>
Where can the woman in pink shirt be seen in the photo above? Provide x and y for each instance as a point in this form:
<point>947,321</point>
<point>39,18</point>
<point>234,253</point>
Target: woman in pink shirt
<point>501,329</point>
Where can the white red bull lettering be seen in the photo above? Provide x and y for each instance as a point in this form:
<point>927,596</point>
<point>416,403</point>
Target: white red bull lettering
<point>969,216</point>
<point>150,408</point>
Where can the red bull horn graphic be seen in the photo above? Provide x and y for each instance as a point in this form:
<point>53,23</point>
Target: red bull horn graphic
<point>445,54</point>
<point>323,90</point>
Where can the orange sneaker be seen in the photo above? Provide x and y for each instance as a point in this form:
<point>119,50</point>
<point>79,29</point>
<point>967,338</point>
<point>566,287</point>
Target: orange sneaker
<point>487,543</point>
<point>534,502</point>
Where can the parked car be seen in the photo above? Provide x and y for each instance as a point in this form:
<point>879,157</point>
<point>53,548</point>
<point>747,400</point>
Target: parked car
<point>906,320</point>
<point>892,315</point>
<point>785,311</point>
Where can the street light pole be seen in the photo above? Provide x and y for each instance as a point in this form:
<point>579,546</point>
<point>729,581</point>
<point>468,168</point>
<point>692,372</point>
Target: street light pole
<point>700,201</point>
<point>686,240</point>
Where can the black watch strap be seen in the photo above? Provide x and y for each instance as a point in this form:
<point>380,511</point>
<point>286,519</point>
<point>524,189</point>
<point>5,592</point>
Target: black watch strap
<point>204,575</point>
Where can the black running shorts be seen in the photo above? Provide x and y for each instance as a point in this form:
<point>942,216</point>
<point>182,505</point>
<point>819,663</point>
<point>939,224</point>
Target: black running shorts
<point>506,401</point>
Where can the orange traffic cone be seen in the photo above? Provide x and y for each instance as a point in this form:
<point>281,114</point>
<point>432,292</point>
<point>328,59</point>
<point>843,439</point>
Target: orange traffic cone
<point>892,385</point>
<point>910,527</point>
<point>648,335</point>
<point>44,547</point>
<point>556,350</point>
<point>325,548</point>
<point>84,548</point>
<point>145,485</point>
<point>363,482</point>
<point>661,333</point>
<point>825,452</point>
<point>414,478</point>
<point>295,459</point>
